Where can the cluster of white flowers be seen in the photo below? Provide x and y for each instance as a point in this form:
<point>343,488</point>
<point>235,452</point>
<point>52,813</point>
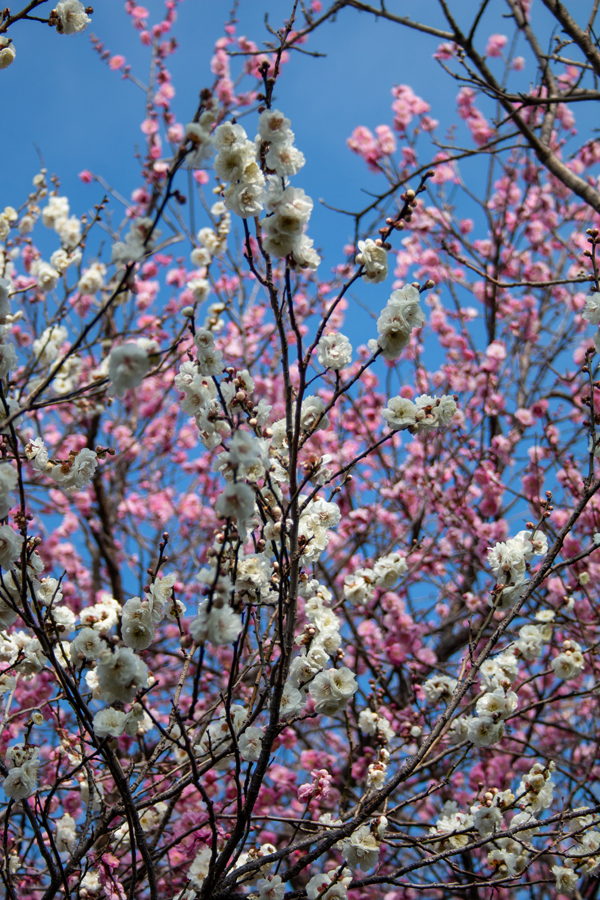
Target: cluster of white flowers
<point>120,674</point>
<point>139,620</point>
<point>10,546</point>
<point>76,472</point>
<point>211,243</point>
<point>203,401</point>
<point>242,163</point>
<point>508,855</point>
<point>317,517</point>
<point>583,854</point>
<point>331,689</point>
<point>8,482</point>
<point>370,722</point>
<point>362,847</point>
<point>591,312</point>
<point>236,162</point>
<point>449,825</point>
<point>129,363</point>
<point>284,228</point>
<point>508,561</point>
<point>56,216</point>
<point>312,418</point>
<point>7,52</point>
<point>66,834</point>
<point>397,321</point>
<point>536,790</point>
<point>8,354</point>
<point>359,587</point>
<point>439,687</point>
<point>72,16</point>
<point>92,279</point>
<point>217,738</point>
<point>216,622</point>
<point>114,722</point>
<point>496,703</point>
<point>372,256</point>
<point>199,136</point>
<point>23,762</point>
<point>570,663</point>
<point>421,415</point>
<point>137,241</point>
<point>47,346</point>
<point>102,616</point>
<point>329,885</point>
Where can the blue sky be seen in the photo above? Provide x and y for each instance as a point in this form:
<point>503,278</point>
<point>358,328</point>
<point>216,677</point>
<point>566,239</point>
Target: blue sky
<point>60,97</point>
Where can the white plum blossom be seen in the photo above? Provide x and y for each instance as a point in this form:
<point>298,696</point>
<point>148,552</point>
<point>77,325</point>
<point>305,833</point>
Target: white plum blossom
<point>66,834</point>
<point>77,472</point>
<point>312,414</point>
<point>373,258</point>
<point>568,664</point>
<point>21,782</point>
<point>439,687</point>
<point>397,321</point>
<point>591,310</point>
<point>57,210</point>
<point>47,346</point>
<point>388,569</point>
<point>334,351</point>
<point>37,453</point>
<point>531,642</point>
<point>329,885</point>
<point>8,482</point>
<point>72,16</point>
<point>284,159</point>
<point>101,616</point>
<point>271,888</point>
<point>250,743</point>
<point>486,819</point>
<point>497,704</point>
<point>273,127</point>
<point>120,674</point>
<point>358,587</point>
<point>536,790</point>
<point>127,366</point>
<point>85,646</point>
<point>92,279</point>
<point>10,546</point>
<point>361,848</point>
<point>245,200</point>
<point>370,723</point>
<point>69,231</point>
<point>7,52</point>
<point>109,723</point>
<point>237,503</point>
<point>332,689</point>
<point>400,413</point>
<point>292,701</point>
<point>138,623</point>
<point>219,625</point>
<point>566,879</point>
<point>198,870</point>
<point>501,671</point>
<point>483,731</point>
<point>47,277</point>
<point>450,822</point>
